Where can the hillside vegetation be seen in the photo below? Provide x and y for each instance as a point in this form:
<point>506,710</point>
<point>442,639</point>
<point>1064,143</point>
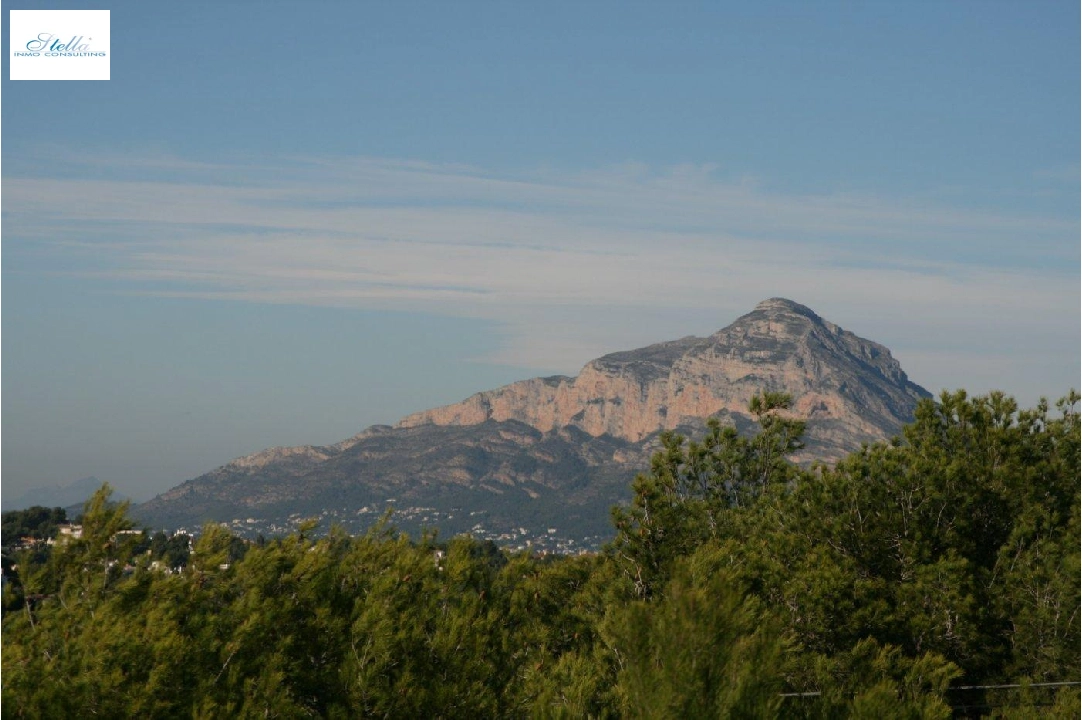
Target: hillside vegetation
<point>899,583</point>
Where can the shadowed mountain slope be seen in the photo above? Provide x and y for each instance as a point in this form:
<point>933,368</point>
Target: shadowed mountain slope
<point>554,453</point>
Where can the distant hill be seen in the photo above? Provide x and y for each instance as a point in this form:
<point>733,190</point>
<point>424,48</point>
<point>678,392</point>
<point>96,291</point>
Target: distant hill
<point>543,460</point>
<point>65,496</point>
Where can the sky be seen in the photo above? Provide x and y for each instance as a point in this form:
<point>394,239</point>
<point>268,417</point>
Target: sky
<point>279,223</point>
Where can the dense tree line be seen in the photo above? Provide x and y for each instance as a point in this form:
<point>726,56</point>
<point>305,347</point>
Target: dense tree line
<point>35,523</point>
<point>738,585</point>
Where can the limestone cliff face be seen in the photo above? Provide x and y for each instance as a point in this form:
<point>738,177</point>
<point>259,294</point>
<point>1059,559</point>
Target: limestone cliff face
<point>558,452</point>
<point>302,453</point>
<point>849,389</point>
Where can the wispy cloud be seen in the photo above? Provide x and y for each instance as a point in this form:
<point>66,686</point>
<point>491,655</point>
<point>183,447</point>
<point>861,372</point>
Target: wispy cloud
<point>571,264</point>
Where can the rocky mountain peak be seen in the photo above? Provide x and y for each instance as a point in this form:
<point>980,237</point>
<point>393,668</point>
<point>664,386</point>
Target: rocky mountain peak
<point>778,305</point>
<point>560,450</point>
<point>850,389</point>
<point>779,318</point>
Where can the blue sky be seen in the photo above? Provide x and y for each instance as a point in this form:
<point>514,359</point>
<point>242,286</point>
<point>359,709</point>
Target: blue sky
<point>279,223</point>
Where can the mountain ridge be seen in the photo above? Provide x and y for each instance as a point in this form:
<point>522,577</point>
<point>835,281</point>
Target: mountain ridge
<point>633,394</point>
<point>74,494</point>
<point>536,454</point>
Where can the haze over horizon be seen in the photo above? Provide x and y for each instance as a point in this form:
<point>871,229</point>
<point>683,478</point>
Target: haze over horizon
<point>281,227</point>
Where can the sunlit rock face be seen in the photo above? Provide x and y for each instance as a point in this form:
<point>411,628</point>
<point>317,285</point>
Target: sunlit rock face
<point>849,389</point>
<point>556,453</point>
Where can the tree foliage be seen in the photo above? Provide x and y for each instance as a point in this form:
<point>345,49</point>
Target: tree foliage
<point>737,585</point>
<point>37,523</point>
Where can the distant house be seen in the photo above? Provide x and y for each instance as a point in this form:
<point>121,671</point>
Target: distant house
<point>69,532</point>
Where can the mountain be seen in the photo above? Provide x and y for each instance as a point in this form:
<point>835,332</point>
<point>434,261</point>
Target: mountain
<point>543,459</point>
<point>851,389</point>
<point>65,496</point>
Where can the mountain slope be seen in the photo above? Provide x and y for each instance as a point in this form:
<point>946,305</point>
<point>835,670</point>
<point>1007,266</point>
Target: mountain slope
<point>851,389</point>
<point>65,496</point>
<point>543,459</point>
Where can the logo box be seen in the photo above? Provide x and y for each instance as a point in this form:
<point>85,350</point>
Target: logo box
<point>59,45</point>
